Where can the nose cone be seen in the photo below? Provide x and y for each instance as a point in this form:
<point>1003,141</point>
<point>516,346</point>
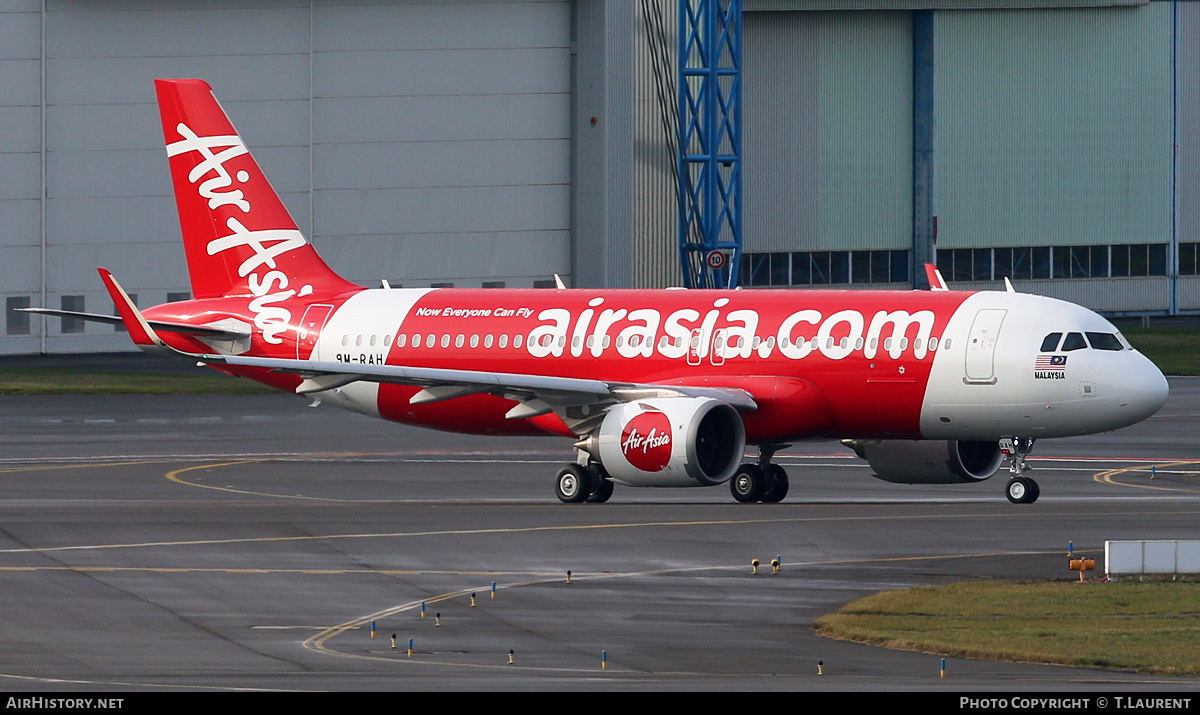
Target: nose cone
<point>1142,390</point>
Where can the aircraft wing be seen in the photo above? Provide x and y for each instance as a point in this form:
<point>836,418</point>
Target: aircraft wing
<point>538,394</point>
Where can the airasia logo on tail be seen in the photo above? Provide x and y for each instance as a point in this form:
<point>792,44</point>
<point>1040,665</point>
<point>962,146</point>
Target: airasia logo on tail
<point>268,287</point>
<point>646,441</point>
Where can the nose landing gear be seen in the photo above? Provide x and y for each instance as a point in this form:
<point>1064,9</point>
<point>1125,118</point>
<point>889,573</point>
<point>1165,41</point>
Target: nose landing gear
<point>1020,488</point>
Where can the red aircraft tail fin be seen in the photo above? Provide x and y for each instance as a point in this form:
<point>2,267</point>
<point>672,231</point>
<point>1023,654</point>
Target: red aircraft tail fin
<point>238,236</point>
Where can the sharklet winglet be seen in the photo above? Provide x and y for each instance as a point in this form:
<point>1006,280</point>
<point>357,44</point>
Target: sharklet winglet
<point>135,323</point>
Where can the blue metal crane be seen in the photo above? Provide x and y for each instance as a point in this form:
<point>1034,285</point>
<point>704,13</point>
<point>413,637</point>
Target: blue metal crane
<point>710,142</point>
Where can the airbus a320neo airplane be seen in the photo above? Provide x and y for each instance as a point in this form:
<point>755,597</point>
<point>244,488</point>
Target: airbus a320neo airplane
<point>657,388</point>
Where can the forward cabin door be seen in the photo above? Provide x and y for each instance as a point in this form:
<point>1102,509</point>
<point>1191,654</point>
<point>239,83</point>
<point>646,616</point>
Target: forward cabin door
<point>981,346</point>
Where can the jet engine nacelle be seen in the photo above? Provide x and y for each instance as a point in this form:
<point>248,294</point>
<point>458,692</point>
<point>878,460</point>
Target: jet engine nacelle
<point>929,462</point>
<point>669,442</point>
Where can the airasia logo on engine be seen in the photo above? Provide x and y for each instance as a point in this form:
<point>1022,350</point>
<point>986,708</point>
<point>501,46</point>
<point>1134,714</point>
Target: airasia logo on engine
<point>646,441</point>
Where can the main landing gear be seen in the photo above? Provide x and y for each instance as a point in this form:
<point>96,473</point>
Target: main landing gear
<point>764,482</point>
<point>1020,488</point>
<point>577,484</point>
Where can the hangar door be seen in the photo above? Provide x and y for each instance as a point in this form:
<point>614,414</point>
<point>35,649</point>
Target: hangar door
<point>442,141</point>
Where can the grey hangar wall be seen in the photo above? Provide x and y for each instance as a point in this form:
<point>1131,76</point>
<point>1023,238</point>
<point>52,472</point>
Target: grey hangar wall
<point>454,143</point>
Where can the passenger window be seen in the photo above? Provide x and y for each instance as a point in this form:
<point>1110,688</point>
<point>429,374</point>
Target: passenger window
<point>1050,342</point>
<point>401,339</point>
<point>1073,341</point>
<point>1104,341</point>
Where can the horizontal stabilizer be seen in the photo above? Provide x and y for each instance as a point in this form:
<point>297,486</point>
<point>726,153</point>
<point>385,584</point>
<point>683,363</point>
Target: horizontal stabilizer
<point>161,326</point>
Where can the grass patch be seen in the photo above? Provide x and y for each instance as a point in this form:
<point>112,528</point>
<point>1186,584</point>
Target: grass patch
<point>1176,351</point>
<point>62,381</point>
<point>1145,627</point>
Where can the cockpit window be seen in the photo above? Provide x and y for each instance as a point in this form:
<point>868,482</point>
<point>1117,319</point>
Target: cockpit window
<point>1104,341</point>
<point>1050,342</point>
<point>1073,341</point>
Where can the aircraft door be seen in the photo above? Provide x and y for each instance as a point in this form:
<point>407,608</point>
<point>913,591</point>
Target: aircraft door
<point>310,329</point>
<point>717,355</point>
<point>693,351</point>
<point>981,346</point>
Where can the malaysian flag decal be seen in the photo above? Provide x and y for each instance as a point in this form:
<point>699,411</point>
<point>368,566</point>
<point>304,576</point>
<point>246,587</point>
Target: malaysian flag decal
<point>1050,362</point>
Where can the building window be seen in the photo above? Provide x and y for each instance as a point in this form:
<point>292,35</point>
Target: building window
<point>72,303</point>
<point>967,264</point>
<point>178,297</point>
<point>824,268</point>
<point>1188,264</point>
<point>18,322</point>
<point>545,284</point>
<point>493,284</point>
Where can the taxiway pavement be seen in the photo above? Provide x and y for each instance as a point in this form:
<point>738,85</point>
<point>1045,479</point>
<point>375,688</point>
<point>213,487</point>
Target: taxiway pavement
<point>221,542</point>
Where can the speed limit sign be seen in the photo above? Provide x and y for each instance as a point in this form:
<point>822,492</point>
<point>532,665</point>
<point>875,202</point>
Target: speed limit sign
<point>715,260</point>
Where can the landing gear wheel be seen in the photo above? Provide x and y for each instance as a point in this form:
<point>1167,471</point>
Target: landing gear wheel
<point>573,485</point>
<point>748,483</point>
<point>777,484</point>
<point>1022,490</point>
<point>602,486</point>
<point>602,492</point>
